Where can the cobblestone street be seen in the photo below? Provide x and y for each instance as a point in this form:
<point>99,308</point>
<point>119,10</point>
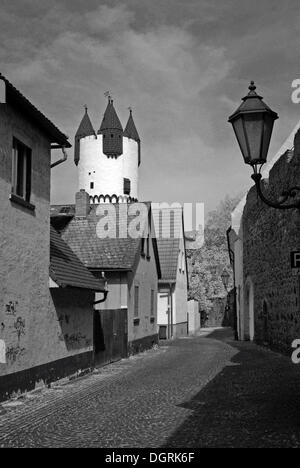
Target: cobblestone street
<point>207,391</point>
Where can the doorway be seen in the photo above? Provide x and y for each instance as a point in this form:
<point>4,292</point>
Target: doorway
<point>249,311</point>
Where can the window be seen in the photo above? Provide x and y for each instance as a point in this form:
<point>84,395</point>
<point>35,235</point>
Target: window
<point>136,301</point>
<point>21,170</point>
<point>92,185</point>
<point>148,247</point>
<point>152,302</point>
<point>143,247</point>
<point>127,186</point>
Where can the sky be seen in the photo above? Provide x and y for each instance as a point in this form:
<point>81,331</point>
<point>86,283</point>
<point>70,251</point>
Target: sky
<point>183,67</point>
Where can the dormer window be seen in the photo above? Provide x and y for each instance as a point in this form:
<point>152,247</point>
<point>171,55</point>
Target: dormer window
<point>127,186</point>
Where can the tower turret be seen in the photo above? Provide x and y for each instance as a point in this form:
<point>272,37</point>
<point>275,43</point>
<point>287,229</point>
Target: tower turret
<point>132,133</point>
<point>131,157</point>
<point>107,162</point>
<point>85,129</point>
<point>111,131</point>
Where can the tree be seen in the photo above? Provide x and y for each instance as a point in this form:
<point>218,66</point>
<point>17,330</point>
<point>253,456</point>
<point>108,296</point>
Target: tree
<point>206,264</point>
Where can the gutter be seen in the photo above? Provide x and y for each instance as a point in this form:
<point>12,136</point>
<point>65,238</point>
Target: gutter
<point>63,159</point>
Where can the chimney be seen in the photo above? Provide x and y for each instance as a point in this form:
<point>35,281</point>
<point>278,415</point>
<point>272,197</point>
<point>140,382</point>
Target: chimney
<point>82,204</point>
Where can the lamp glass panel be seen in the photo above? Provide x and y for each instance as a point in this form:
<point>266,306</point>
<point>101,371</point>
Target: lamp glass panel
<point>240,136</point>
<point>254,129</point>
<point>268,128</point>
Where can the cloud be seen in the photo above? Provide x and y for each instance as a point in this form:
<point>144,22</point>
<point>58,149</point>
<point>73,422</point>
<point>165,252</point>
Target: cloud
<point>182,66</point>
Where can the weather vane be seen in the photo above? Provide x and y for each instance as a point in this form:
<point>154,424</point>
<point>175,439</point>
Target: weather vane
<point>108,95</point>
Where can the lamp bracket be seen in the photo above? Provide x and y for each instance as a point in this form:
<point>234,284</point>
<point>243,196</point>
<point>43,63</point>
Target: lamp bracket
<point>285,196</point>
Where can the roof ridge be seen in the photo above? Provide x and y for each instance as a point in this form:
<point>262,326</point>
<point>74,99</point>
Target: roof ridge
<point>39,115</point>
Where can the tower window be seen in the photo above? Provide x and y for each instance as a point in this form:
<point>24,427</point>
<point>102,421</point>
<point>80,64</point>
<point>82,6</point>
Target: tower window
<point>112,135</point>
<point>127,187</point>
<point>92,185</point>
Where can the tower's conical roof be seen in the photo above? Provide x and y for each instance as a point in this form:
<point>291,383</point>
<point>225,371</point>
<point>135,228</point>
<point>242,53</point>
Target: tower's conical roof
<point>85,128</point>
<point>110,119</point>
<point>130,129</point>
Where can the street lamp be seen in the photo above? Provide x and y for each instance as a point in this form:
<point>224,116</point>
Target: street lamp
<point>253,125</point>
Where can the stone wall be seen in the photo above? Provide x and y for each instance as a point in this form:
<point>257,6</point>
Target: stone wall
<point>269,236</point>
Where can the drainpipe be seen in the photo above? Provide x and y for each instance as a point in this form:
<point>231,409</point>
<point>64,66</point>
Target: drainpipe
<point>101,300</point>
<point>171,309</point>
<point>105,292</point>
<point>63,159</point>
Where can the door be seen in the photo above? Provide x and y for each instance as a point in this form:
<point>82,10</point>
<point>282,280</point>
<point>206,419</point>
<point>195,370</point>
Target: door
<point>163,314</point>
<point>110,336</point>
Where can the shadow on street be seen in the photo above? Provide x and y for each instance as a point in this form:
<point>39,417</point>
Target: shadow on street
<point>253,402</point>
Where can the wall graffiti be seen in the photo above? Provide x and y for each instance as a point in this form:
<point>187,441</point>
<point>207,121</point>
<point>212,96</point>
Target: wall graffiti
<point>14,352</point>
<point>64,318</point>
<point>20,327</point>
<point>76,339</point>
<point>11,308</point>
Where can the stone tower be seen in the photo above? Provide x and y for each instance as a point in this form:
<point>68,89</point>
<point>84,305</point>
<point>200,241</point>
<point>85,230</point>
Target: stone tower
<point>108,162</point>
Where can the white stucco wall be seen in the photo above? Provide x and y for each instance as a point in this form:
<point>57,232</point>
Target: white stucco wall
<point>145,277</point>
<point>180,293</point>
<point>193,317</point>
<point>130,164</point>
<point>95,166</point>
<point>117,292</point>
<point>106,173</point>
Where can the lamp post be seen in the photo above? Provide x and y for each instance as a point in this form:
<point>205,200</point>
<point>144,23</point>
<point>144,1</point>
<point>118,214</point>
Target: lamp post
<point>253,125</point>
